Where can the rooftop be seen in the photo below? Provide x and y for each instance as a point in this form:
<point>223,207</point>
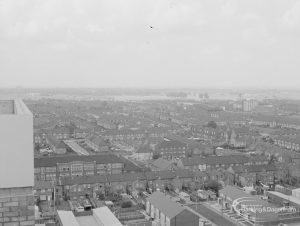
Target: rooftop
<point>13,107</point>
<point>165,205</point>
<point>6,107</point>
<point>106,217</point>
<point>214,160</point>
<point>16,146</point>
<point>161,163</point>
<point>99,159</point>
<point>67,218</point>
<point>254,168</point>
<point>87,221</point>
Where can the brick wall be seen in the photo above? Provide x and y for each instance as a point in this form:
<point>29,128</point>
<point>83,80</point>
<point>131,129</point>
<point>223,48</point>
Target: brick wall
<point>17,207</point>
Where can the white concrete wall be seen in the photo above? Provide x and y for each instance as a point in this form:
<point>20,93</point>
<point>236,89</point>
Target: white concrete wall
<point>16,150</point>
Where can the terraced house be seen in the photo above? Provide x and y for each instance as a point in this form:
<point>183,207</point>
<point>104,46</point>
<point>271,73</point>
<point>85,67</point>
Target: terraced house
<point>288,142</point>
<point>249,175</point>
<point>79,187</point>
<point>54,168</point>
<point>171,149</point>
<point>213,162</point>
<point>72,187</point>
<point>130,134</point>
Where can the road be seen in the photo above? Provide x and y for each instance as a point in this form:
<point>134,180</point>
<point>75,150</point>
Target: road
<point>212,216</point>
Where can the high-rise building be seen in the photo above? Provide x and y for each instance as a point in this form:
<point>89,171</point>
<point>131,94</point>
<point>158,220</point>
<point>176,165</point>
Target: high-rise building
<point>16,164</point>
<point>249,105</point>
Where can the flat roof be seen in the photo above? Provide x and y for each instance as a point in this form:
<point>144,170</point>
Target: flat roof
<point>16,144</point>
<point>67,218</point>
<point>6,107</point>
<point>87,221</point>
<point>13,107</point>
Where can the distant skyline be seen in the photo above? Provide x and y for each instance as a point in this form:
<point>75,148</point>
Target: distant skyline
<point>150,43</point>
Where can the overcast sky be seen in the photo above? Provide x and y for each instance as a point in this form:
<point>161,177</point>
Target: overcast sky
<point>109,43</point>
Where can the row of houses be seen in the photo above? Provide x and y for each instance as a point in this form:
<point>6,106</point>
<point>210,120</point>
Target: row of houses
<point>127,182</point>
<point>60,133</point>
<point>170,179</point>
<point>219,162</point>
<point>271,121</point>
<point>288,142</point>
<point>124,134</point>
<point>82,186</point>
<point>167,148</point>
<point>55,168</point>
<point>238,137</point>
<point>171,149</point>
<point>250,175</point>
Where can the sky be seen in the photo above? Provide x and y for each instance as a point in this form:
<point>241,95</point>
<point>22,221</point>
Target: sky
<point>150,43</point>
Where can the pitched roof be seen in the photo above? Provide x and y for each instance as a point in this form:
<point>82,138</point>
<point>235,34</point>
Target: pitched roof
<point>165,204</point>
<point>161,163</point>
<point>125,177</point>
<point>189,142</point>
<point>258,158</point>
<point>99,141</point>
<point>170,144</point>
<point>165,174</point>
<point>55,142</point>
<point>214,160</point>
<point>43,184</point>
<point>106,217</point>
<point>254,168</point>
<point>293,139</point>
<point>183,173</point>
<point>130,166</point>
<point>52,161</point>
<point>62,130</point>
<point>84,180</point>
<point>67,218</point>
<point>150,175</point>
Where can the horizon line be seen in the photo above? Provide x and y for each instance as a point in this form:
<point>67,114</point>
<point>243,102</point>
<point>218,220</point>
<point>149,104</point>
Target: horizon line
<point>155,88</point>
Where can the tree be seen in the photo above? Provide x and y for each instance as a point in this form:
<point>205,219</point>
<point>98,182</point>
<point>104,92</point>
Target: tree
<point>155,155</point>
<point>212,124</point>
<point>189,153</point>
<point>37,147</point>
<point>214,186</point>
<point>272,159</point>
<point>126,204</point>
